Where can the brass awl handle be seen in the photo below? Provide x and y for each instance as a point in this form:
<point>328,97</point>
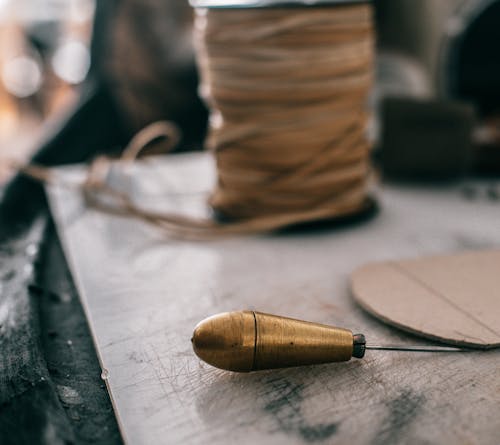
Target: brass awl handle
<point>251,341</point>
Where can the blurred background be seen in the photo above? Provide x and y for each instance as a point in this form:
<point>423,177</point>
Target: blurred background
<point>438,87</point>
<point>44,57</point>
<point>437,98</point>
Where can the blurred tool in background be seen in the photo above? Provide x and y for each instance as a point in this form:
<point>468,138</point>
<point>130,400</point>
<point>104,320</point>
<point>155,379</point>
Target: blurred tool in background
<point>438,87</point>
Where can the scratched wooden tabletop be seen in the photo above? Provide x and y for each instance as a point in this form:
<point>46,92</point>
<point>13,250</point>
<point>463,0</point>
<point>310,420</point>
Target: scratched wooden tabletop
<point>144,293</point>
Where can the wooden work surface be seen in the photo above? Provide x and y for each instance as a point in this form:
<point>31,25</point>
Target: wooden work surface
<point>144,294</point>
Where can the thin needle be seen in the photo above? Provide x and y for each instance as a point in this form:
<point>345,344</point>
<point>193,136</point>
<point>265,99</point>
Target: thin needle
<point>416,348</point>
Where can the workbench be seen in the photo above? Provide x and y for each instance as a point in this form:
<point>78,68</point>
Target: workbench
<point>144,292</point>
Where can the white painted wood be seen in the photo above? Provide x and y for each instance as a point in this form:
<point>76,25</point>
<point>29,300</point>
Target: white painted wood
<point>143,295</point>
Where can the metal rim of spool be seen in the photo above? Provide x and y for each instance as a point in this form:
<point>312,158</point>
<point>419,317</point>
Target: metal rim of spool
<point>368,210</point>
<point>251,4</point>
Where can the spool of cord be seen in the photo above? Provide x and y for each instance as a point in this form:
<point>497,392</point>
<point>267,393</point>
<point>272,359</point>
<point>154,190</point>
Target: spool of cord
<point>287,89</point>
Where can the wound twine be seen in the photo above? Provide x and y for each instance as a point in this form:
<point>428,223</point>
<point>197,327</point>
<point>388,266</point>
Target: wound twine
<point>287,91</point>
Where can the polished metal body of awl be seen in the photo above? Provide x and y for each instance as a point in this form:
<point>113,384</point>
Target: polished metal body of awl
<point>247,341</point>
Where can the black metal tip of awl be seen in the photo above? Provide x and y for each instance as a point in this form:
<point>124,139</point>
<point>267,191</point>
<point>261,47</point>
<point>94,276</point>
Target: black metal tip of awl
<point>358,346</point>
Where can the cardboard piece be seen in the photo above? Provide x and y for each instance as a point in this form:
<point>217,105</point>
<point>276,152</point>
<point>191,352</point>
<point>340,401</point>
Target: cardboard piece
<point>453,298</point>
